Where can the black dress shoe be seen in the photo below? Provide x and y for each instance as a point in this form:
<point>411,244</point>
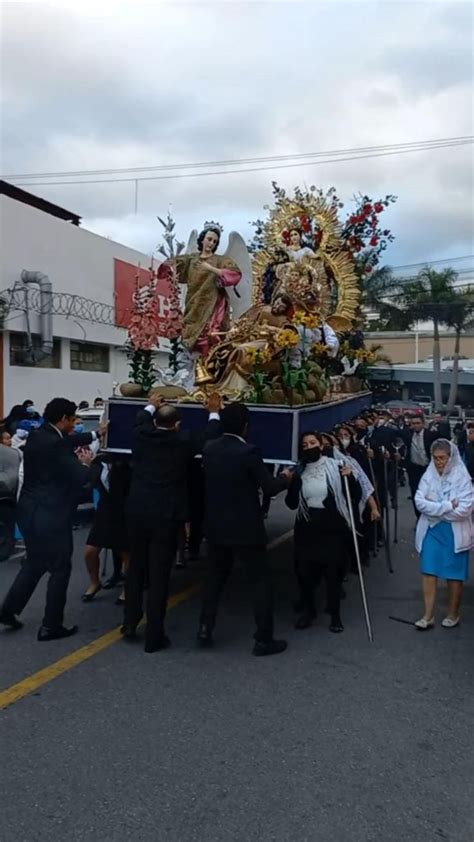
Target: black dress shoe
<point>163,643</point>
<point>272,647</point>
<point>305,620</point>
<point>7,619</point>
<point>56,634</point>
<point>336,624</point>
<point>128,632</point>
<point>204,635</point>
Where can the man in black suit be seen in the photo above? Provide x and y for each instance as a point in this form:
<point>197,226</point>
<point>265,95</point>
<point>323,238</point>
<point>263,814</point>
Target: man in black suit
<point>418,440</point>
<point>53,480</point>
<point>157,509</point>
<point>440,426</point>
<point>234,473</point>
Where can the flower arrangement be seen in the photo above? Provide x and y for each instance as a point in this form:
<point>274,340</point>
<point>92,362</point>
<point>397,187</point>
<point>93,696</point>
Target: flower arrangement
<point>174,320</point>
<point>142,336</point>
<point>257,357</point>
<point>306,320</point>
<point>287,338</point>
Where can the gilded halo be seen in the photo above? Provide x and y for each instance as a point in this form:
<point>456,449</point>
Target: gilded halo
<point>322,217</point>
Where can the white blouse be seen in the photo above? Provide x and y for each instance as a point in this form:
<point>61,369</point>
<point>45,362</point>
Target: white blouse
<point>315,485</point>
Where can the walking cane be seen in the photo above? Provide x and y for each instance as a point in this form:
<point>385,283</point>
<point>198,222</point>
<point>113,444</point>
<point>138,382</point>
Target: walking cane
<point>359,566</point>
<point>377,500</point>
<point>395,495</point>
<point>387,514</point>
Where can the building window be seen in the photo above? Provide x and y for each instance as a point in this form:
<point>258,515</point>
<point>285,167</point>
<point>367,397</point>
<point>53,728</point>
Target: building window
<point>22,354</point>
<point>88,357</point>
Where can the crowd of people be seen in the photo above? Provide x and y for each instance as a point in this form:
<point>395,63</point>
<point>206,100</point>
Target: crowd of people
<point>154,510</point>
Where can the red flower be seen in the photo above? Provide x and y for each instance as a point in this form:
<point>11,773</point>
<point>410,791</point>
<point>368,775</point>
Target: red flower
<point>352,219</point>
<point>373,241</point>
<point>368,268</point>
<point>367,209</point>
<point>285,235</point>
<point>378,207</point>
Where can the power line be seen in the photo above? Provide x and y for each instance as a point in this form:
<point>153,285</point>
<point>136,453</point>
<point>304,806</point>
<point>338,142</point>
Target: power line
<point>334,160</point>
<point>434,262</point>
<point>235,161</point>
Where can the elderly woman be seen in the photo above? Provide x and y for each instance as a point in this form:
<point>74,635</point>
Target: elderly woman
<point>444,531</point>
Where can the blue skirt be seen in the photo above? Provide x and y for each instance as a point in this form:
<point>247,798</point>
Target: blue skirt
<point>438,557</point>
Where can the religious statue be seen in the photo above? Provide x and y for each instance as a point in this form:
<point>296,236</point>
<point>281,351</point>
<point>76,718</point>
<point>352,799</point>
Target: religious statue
<point>294,245</point>
<point>208,277</point>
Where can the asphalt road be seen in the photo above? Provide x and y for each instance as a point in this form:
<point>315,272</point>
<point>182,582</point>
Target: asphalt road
<point>336,740</point>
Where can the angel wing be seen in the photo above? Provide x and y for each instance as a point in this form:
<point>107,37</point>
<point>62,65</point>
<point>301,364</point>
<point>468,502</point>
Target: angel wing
<point>237,251</point>
<point>192,246</point>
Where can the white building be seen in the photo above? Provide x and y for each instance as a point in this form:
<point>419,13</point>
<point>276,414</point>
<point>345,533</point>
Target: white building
<point>86,271</point>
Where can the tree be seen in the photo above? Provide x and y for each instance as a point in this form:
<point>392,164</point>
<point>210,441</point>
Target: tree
<point>429,298</point>
<point>460,317</point>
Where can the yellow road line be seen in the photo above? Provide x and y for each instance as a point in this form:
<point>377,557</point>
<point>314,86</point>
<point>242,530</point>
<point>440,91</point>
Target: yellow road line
<point>33,682</point>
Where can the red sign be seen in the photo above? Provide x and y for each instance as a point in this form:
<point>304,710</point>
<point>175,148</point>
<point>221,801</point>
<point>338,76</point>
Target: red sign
<point>125,279</point>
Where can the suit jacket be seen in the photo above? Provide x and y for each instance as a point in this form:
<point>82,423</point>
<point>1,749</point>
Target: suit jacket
<point>161,465</point>
<point>53,478</point>
<point>234,473</point>
<point>440,430</point>
<point>469,458</point>
<point>428,439</point>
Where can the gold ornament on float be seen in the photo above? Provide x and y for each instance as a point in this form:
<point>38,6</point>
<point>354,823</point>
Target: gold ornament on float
<point>305,230</point>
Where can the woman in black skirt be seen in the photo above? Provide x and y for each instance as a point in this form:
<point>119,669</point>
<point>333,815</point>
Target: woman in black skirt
<point>322,527</point>
<point>112,481</point>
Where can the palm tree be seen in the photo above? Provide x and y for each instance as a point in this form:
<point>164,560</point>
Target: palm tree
<point>460,317</point>
<point>428,298</point>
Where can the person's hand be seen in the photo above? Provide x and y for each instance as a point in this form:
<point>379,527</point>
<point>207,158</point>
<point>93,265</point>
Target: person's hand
<point>103,429</point>
<point>370,453</point>
<point>386,454</point>
<point>455,503</point>
<point>397,457</point>
<point>375,514</point>
<point>85,457</point>
<point>155,399</point>
<point>287,473</point>
<point>214,403</point>
<point>346,471</point>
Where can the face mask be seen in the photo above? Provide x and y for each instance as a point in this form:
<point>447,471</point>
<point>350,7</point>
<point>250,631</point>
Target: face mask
<point>79,428</point>
<point>311,455</point>
<point>345,442</point>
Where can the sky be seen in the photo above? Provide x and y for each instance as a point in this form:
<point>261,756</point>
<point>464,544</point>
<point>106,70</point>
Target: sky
<point>91,85</point>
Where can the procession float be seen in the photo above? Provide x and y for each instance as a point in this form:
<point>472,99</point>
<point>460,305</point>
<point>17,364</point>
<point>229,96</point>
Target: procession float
<point>274,324</point>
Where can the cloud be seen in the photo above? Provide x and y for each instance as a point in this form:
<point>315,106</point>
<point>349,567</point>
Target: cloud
<point>171,83</point>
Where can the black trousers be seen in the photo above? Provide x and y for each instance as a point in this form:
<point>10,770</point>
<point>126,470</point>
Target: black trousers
<point>153,546</point>
<point>415,473</point>
<point>220,563</point>
<point>7,529</point>
<point>310,574</point>
<point>49,547</point>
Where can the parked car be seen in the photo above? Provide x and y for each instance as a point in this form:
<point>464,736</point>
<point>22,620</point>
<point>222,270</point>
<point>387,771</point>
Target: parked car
<point>400,407</point>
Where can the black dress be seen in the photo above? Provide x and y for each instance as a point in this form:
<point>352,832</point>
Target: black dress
<point>109,530</point>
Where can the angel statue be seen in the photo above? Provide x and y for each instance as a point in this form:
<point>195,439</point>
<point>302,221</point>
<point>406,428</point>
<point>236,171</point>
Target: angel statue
<point>208,276</point>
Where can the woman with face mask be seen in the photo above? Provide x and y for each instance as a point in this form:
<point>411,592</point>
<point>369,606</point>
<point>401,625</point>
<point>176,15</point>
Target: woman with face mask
<point>322,527</point>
